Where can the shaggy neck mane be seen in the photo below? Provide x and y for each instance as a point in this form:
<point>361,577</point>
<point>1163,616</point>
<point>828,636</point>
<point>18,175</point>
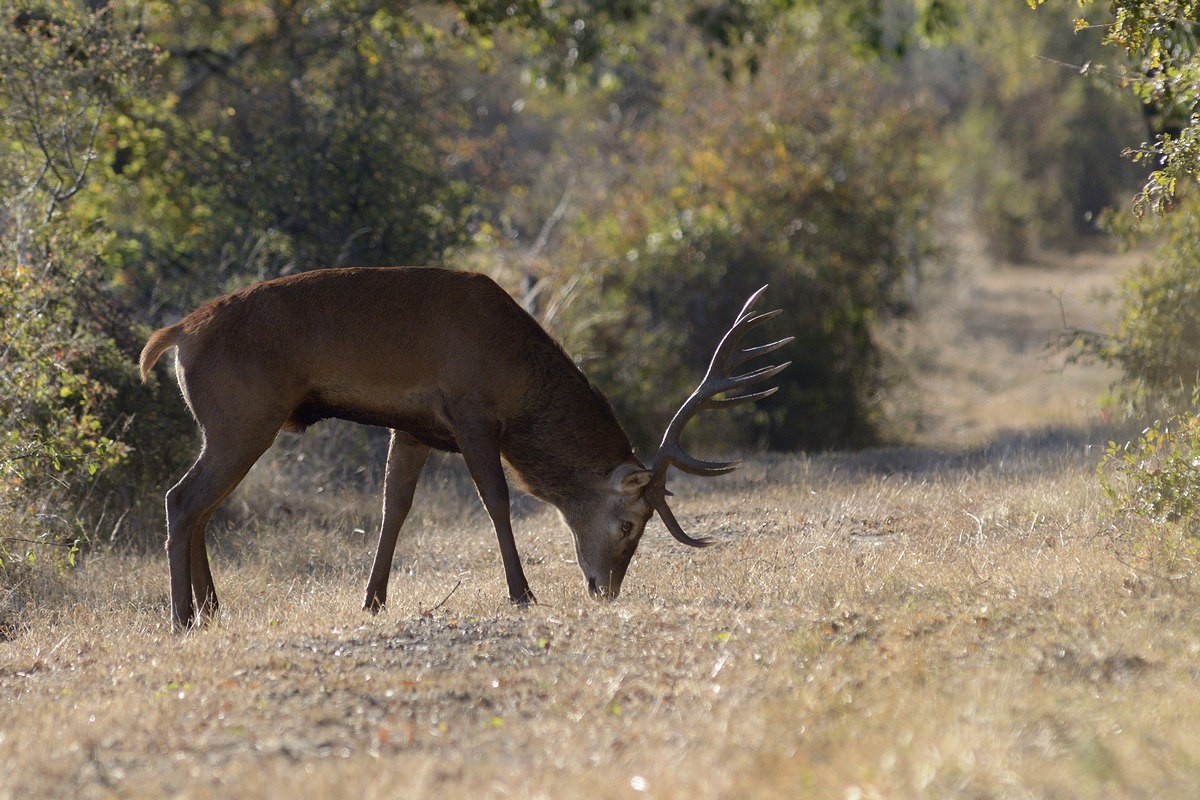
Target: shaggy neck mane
<point>567,434</point>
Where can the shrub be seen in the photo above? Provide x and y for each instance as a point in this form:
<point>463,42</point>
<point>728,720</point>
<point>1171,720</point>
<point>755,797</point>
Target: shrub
<point>1156,340</point>
<point>791,178</point>
<point>1155,477</point>
<point>67,380</point>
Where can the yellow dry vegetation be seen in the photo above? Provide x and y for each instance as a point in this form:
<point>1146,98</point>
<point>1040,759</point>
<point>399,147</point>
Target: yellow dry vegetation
<point>900,623</point>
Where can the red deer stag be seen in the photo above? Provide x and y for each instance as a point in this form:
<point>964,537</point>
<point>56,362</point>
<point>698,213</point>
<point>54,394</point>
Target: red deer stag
<point>446,360</point>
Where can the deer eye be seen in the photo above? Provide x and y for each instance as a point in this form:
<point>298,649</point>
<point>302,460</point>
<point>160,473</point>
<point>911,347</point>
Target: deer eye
<point>626,528</point>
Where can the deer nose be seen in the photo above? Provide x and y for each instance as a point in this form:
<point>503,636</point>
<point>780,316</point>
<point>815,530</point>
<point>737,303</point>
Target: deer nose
<point>603,591</point>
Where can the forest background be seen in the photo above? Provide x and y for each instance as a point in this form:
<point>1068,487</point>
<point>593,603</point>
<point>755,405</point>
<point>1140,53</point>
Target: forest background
<point>630,170</point>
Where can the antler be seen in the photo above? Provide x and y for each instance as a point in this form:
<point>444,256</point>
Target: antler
<point>719,380</point>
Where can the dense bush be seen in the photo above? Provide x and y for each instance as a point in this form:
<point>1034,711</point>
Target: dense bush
<point>789,178</point>
<point>1154,476</point>
<point>1157,341</point>
<point>67,383</point>
<point>1157,347</point>
<point>296,136</point>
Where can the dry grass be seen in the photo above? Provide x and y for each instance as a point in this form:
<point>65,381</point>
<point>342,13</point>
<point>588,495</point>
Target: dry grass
<point>950,621</point>
<point>893,624</point>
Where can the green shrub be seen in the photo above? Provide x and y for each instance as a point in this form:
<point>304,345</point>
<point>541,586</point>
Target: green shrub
<point>1157,347</point>
<point>1157,476</point>
<point>68,384</point>
<point>790,178</point>
<point>1157,340</point>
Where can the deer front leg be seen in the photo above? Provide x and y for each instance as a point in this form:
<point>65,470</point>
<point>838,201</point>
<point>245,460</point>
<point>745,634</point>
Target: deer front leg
<point>406,457</point>
<point>480,445</point>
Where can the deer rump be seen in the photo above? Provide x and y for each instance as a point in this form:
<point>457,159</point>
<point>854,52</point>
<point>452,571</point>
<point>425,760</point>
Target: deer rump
<point>445,359</point>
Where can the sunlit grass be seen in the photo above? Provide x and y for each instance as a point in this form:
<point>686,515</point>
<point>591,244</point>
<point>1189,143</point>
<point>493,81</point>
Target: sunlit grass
<point>895,624</point>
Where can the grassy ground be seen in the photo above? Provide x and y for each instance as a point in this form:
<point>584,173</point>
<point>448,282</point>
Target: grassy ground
<point>955,619</point>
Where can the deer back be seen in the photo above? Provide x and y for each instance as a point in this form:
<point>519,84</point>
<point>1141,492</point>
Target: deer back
<point>396,347</point>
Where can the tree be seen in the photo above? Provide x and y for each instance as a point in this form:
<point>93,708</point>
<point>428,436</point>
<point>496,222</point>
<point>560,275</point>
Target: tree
<point>65,369</point>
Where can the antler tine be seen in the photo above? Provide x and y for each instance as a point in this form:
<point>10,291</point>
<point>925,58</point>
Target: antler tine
<point>727,353</point>
<point>717,380</point>
<point>670,453</point>
<point>742,381</point>
<point>655,497</point>
<point>752,299</point>
<point>761,350</point>
<point>727,402</point>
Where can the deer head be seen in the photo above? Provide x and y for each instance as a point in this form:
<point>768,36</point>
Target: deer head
<point>635,493</point>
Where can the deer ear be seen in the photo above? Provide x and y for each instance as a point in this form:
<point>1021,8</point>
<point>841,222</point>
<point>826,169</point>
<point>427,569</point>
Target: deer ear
<point>631,482</point>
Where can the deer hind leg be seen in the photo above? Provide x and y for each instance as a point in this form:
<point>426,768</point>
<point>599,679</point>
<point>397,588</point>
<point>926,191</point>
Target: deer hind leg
<point>406,457</point>
<point>479,441</point>
<point>223,462</point>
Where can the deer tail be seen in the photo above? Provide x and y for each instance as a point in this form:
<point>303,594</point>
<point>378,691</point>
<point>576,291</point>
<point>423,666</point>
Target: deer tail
<point>160,341</point>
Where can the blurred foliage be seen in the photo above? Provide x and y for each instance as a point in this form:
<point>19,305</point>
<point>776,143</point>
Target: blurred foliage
<point>787,178</point>
<point>691,180</point>
<point>1157,342</point>
<point>1161,41</point>
<point>1036,126</point>
<point>301,135</point>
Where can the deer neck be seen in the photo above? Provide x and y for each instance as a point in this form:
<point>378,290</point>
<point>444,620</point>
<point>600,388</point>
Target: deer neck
<point>567,441</point>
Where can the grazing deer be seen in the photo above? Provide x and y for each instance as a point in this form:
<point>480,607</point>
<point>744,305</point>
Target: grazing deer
<point>446,360</point>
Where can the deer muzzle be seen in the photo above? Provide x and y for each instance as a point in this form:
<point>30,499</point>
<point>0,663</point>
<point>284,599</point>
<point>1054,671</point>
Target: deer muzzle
<point>604,591</point>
